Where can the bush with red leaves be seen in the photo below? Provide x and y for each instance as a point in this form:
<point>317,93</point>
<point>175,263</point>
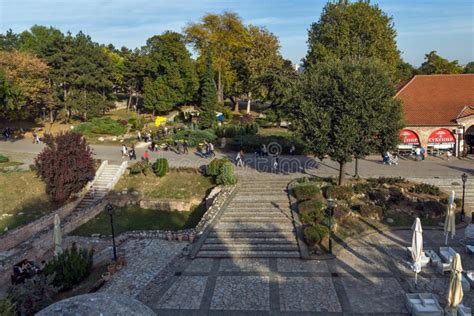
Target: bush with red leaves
<point>65,165</point>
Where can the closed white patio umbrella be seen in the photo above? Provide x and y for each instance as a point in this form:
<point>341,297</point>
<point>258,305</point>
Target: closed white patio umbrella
<point>450,220</point>
<point>417,247</point>
<point>57,236</point>
<point>455,292</point>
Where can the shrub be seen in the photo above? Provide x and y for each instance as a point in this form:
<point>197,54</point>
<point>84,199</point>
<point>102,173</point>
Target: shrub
<point>387,180</point>
<point>306,191</point>
<point>246,119</point>
<point>315,234</point>
<point>4,159</point>
<point>137,123</point>
<point>423,188</point>
<point>310,205</point>
<point>70,267</point>
<point>160,167</point>
<point>371,211</point>
<point>252,143</point>
<point>226,174</point>
<point>362,187</point>
<point>434,208</point>
<point>379,196</point>
<point>33,295</point>
<point>7,307</point>
<point>195,137</point>
<point>251,129</point>
<point>341,212</point>
<point>215,167</point>
<point>228,131</point>
<point>396,195</point>
<point>341,193</point>
<point>65,165</point>
<point>312,217</point>
<point>101,126</point>
<point>140,167</point>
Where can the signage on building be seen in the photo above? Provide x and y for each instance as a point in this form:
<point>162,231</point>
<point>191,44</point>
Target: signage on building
<point>441,136</point>
<point>408,137</point>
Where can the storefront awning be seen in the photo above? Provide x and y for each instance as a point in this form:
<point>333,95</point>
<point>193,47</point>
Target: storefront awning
<point>441,135</point>
<point>408,137</point>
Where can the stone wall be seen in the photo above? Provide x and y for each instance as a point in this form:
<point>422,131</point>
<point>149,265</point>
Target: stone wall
<point>23,233</point>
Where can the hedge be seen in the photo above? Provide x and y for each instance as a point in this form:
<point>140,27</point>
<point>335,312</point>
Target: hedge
<point>315,234</point>
<point>196,137</point>
<point>306,191</point>
<point>160,167</point>
<point>101,126</point>
<point>252,143</point>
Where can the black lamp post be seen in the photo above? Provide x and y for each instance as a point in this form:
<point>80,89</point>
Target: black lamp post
<point>464,179</point>
<point>331,206</point>
<point>110,210</point>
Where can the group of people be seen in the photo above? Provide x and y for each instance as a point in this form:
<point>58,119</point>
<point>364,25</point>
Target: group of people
<point>420,153</point>
<point>130,153</point>
<point>240,160</point>
<point>390,159</point>
<point>7,133</point>
<point>207,150</point>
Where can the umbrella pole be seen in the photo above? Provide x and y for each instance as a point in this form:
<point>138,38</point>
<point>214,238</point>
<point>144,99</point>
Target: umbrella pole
<point>446,240</point>
<point>416,280</point>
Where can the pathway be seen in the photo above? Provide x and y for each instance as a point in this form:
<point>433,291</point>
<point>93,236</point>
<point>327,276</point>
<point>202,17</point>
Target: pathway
<point>257,222</point>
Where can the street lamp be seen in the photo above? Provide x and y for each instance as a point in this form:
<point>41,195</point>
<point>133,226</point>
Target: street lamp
<point>110,210</point>
<point>330,211</point>
<point>464,179</point>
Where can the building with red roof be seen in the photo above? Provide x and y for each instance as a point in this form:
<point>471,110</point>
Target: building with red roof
<point>438,112</point>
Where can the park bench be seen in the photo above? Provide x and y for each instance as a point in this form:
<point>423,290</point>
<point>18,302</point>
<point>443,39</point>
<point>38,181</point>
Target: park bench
<point>423,304</point>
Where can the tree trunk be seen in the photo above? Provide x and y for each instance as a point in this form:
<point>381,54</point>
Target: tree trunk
<point>249,101</point>
<point>236,105</point>
<point>129,101</point>
<point>220,90</point>
<point>51,117</point>
<point>342,173</point>
<point>153,112</point>
<point>356,171</point>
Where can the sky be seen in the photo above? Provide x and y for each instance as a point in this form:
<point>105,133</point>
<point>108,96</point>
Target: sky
<point>446,26</point>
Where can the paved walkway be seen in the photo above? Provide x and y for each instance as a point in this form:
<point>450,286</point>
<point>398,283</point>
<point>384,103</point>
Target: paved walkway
<point>23,150</point>
<point>370,276</point>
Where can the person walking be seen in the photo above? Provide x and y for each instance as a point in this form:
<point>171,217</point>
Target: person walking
<point>417,153</point>
<point>185,147</point>
<point>211,150</point>
<point>92,193</point>
<point>124,151</point>
<point>239,160</point>
<point>422,153</point>
<point>276,164</point>
<point>139,136</point>
<point>292,150</point>
<point>146,156</point>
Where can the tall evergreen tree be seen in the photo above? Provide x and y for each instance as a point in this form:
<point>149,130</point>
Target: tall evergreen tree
<point>435,64</point>
<point>208,96</point>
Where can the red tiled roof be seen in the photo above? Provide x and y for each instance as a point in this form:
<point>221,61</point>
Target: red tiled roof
<point>468,110</point>
<point>436,99</point>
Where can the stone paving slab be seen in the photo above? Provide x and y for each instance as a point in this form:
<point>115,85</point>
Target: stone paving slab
<point>200,265</point>
<point>298,265</point>
<point>245,265</point>
<point>361,260</point>
<point>308,294</point>
<point>153,256</point>
<point>241,293</point>
<point>185,293</point>
<point>375,295</point>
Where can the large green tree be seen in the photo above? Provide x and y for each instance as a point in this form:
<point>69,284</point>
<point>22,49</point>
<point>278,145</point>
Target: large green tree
<point>208,96</point>
<point>469,68</point>
<point>225,36</point>
<point>347,109</point>
<point>435,64</point>
<point>172,71</point>
<point>353,30</point>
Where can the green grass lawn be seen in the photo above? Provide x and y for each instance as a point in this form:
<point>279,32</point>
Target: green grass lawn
<point>23,199</point>
<point>134,218</point>
<point>181,185</point>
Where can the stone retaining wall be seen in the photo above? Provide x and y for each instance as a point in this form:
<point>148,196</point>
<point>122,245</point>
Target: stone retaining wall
<point>23,233</point>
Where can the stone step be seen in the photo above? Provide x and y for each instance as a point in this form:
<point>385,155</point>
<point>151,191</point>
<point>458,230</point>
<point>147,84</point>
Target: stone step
<point>256,214</point>
<point>254,226</point>
<point>248,241</point>
<point>255,219</point>
<point>256,204</point>
<point>263,210</point>
<point>248,254</point>
<point>253,247</point>
<point>251,234</point>
<point>260,198</point>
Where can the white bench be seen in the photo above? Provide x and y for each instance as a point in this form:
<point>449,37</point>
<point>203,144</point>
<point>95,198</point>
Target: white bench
<point>447,254</point>
<point>433,257</point>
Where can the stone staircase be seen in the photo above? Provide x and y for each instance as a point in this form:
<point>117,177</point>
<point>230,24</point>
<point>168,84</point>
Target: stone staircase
<point>105,181</point>
<point>450,183</point>
<point>257,223</point>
